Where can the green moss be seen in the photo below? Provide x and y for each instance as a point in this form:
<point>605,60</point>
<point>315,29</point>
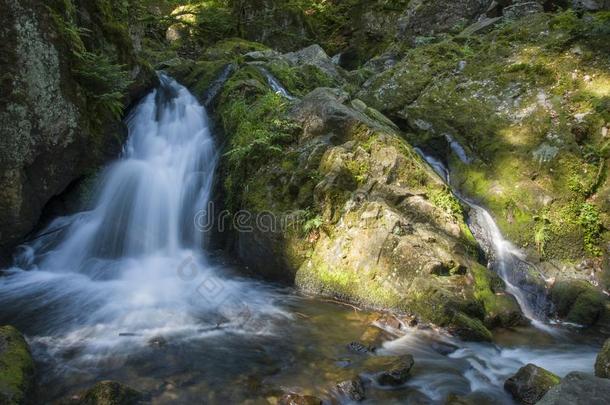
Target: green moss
<point>346,284</point>
<point>16,367</point>
<point>578,302</point>
<point>500,309</point>
<point>299,80</point>
<point>111,393</point>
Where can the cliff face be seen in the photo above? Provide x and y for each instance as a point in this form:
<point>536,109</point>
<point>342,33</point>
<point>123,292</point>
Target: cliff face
<point>58,117</point>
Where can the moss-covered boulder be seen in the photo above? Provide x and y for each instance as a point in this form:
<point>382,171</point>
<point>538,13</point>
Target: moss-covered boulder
<point>331,198</point>
<point>530,384</point>
<point>602,362</point>
<point>16,367</point>
<point>63,92</point>
<point>578,302</point>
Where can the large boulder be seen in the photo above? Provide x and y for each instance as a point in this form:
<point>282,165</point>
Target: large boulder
<point>61,99</point>
<point>331,198</point>
<point>578,389</point>
<point>16,367</point>
<point>530,384</point>
<point>602,363</point>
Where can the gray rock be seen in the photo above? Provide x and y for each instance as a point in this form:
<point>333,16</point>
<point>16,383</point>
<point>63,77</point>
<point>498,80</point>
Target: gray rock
<point>578,389</point>
<point>530,384</point>
<point>316,56</point>
<point>519,10</point>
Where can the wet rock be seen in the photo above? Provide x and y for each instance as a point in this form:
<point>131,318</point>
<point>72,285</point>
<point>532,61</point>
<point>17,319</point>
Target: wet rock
<point>578,389</point>
<point>295,399</point>
<point>16,367</point>
<point>110,393</point>
<point>398,373</point>
<point>360,348</point>
<point>602,363</point>
<point>352,389</point>
<point>530,384</point>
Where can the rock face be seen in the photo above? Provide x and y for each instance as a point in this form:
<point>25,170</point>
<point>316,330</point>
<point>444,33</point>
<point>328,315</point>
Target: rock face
<point>602,363</point>
<point>578,389</point>
<point>530,384</point>
<point>50,132</point>
<point>543,191</point>
<point>425,18</point>
<point>16,367</point>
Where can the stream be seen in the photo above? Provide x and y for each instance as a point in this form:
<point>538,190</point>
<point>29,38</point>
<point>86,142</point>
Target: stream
<point>123,291</point>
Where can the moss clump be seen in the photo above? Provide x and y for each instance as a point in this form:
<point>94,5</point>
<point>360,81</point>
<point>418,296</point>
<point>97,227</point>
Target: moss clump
<point>110,393</point>
<point>16,367</point>
<point>501,309</point>
<point>578,302</point>
<point>257,133</point>
<point>299,80</point>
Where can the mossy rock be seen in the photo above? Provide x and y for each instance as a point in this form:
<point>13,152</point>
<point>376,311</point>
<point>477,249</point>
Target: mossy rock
<point>501,309</point>
<point>16,367</point>
<point>602,363</point>
<point>110,393</point>
<point>578,302</point>
<point>530,384</point>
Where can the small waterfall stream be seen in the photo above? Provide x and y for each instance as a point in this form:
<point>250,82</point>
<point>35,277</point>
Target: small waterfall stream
<point>504,258</point>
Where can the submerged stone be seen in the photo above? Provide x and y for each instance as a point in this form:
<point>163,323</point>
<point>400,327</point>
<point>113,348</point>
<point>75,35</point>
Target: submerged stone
<point>398,373</point>
<point>352,389</point>
<point>295,399</point>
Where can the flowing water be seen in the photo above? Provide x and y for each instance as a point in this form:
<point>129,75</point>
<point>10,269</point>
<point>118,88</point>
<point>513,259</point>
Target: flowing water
<point>124,291</point>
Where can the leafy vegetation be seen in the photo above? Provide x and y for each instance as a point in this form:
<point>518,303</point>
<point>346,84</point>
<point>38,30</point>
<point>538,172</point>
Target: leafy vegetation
<point>103,80</point>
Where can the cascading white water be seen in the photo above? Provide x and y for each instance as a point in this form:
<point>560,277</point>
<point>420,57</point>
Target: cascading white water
<point>504,257</point>
<point>275,84</point>
<point>132,267</point>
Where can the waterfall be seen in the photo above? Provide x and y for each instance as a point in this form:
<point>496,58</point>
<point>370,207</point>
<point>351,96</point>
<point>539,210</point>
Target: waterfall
<point>133,265</point>
<point>275,84</point>
<point>504,258</point>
